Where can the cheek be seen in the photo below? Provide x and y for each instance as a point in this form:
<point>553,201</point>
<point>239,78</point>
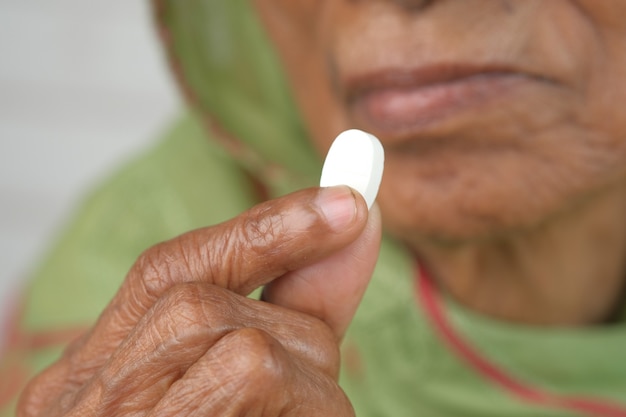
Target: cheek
<point>602,117</point>
<point>457,197</point>
<point>604,14</point>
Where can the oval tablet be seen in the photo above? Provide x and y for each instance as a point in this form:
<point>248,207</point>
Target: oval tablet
<point>356,159</point>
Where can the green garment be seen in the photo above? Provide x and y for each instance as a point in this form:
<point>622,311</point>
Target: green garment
<point>409,351</point>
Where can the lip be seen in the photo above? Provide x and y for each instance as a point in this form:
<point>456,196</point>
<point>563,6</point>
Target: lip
<point>397,103</point>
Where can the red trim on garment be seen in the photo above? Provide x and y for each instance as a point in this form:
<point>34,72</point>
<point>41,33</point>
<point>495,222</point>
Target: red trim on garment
<point>14,380</point>
<point>19,344</point>
<point>430,300</point>
<point>22,341</point>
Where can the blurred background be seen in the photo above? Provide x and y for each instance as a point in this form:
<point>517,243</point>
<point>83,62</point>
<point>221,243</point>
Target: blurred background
<point>83,87</point>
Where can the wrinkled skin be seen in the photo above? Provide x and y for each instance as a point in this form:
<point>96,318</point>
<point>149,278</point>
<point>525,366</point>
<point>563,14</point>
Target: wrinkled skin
<point>552,133</point>
<point>505,143</point>
<point>535,137</point>
<point>180,337</point>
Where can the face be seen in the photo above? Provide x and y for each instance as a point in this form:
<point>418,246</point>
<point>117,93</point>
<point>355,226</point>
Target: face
<point>495,115</point>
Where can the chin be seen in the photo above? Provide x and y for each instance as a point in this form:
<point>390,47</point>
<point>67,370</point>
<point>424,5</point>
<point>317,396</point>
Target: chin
<point>457,218</point>
<point>457,199</point>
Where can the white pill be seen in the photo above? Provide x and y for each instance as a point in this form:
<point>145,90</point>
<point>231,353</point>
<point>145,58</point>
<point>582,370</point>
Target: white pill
<point>356,159</point>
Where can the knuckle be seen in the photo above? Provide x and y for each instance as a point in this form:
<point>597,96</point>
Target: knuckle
<point>260,359</point>
<point>191,311</point>
<point>187,307</point>
<point>152,268</point>
<point>182,305</point>
<point>259,229</point>
<point>222,258</point>
<point>243,246</point>
<point>167,263</point>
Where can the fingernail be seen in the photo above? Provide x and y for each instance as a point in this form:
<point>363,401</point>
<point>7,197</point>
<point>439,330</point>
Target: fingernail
<point>338,206</point>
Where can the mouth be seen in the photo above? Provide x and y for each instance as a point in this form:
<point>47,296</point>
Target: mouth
<point>399,103</point>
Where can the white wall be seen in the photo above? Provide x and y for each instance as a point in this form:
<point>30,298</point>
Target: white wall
<point>82,86</point>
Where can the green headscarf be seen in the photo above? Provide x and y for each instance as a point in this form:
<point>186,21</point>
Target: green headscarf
<point>228,70</point>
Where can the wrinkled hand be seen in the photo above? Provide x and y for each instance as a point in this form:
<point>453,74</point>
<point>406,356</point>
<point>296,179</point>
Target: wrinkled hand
<point>181,338</point>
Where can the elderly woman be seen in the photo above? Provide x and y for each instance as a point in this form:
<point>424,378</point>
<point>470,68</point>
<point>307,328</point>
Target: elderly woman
<point>499,288</point>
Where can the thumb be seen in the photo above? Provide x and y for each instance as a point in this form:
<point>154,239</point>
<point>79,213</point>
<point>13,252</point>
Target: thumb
<point>332,288</point>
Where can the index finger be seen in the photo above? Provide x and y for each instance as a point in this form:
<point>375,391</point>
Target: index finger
<point>246,252</point>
